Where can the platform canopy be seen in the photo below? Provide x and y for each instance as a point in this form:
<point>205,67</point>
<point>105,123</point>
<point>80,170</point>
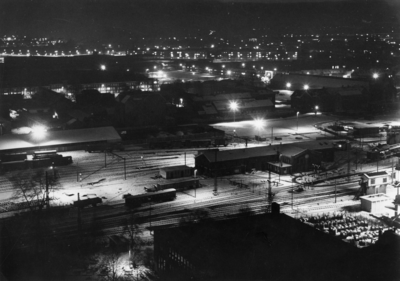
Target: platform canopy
<point>58,138</point>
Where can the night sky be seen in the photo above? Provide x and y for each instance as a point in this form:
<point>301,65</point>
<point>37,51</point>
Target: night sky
<point>122,21</point>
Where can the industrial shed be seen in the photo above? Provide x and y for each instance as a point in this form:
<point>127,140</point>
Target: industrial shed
<point>282,159</point>
<point>176,172</point>
<point>60,140</point>
<point>375,203</point>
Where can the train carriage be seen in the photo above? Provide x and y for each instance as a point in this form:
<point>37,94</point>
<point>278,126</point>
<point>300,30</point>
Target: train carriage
<point>160,196</point>
<point>177,185</point>
<point>88,202</point>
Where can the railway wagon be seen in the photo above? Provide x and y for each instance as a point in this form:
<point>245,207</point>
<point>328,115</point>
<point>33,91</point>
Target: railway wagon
<point>177,185</point>
<point>44,154</point>
<point>39,163</point>
<point>61,160</point>
<point>160,196</point>
<point>14,165</point>
<point>88,202</point>
<point>13,157</point>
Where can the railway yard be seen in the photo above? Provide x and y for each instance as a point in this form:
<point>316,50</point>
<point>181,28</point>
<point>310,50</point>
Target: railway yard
<point>113,175</point>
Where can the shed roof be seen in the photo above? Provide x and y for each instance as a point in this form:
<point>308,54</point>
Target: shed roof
<point>54,138</point>
<point>290,150</point>
<point>376,174</point>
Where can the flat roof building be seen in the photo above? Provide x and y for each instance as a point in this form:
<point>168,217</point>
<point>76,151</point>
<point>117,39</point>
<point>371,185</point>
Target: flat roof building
<point>60,140</point>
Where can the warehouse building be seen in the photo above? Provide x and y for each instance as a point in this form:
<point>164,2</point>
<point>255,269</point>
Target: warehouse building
<point>175,172</point>
<point>268,247</point>
<point>281,159</point>
<point>65,140</point>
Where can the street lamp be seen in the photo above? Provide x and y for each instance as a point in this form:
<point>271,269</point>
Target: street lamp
<point>288,85</point>
<point>233,105</point>
<point>375,75</point>
<point>297,117</point>
<point>316,109</point>
<point>306,87</point>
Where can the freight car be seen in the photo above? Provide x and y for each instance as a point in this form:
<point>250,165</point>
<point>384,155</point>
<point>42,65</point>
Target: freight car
<point>88,202</point>
<point>14,165</point>
<point>134,201</point>
<point>44,154</point>
<point>177,185</point>
<point>13,157</point>
<point>57,160</point>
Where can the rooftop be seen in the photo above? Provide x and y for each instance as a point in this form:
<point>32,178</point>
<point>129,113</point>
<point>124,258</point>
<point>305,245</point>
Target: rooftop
<point>54,138</point>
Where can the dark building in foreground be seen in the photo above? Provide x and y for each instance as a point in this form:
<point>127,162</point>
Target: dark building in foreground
<point>281,159</point>
<point>269,247</point>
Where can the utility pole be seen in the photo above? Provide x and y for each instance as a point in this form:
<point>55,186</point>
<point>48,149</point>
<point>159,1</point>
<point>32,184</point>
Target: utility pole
<point>47,191</point>
<point>272,135</point>
<point>348,160</point>
<point>215,173</point>
<point>79,218</point>
<point>335,190</point>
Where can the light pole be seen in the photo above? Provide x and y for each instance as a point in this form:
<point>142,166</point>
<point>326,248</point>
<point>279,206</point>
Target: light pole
<point>297,117</point>
<point>150,211</point>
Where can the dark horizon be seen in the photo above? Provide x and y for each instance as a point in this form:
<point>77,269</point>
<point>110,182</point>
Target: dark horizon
<point>125,21</point>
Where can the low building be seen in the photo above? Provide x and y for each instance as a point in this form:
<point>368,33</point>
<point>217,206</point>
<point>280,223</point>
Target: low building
<point>375,182</point>
<point>343,99</point>
<point>282,159</point>
<point>176,172</point>
<point>375,203</point>
<point>271,246</point>
<point>364,130</point>
<point>298,81</point>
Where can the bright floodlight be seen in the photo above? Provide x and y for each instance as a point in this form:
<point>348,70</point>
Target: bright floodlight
<point>233,105</point>
<point>38,132</point>
<point>306,87</point>
<point>288,85</point>
<point>259,123</point>
<point>375,75</point>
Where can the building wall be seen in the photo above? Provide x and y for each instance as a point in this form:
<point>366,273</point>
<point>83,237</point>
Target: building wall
<point>178,173</point>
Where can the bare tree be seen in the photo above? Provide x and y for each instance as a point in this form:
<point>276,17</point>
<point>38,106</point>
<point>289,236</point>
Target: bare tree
<point>109,267</point>
<point>134,232</point>
<point>31,186</point>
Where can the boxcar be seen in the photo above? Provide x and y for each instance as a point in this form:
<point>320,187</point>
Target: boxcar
<point>178,185</point>
<point>13,157</point>
<point>159,196</point>
<point>44,154</point>
<point>87,202</point>
<point>14,165</point>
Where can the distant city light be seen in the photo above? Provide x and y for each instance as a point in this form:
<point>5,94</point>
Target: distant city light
<point>102,67</point>
<point>375,75</point>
